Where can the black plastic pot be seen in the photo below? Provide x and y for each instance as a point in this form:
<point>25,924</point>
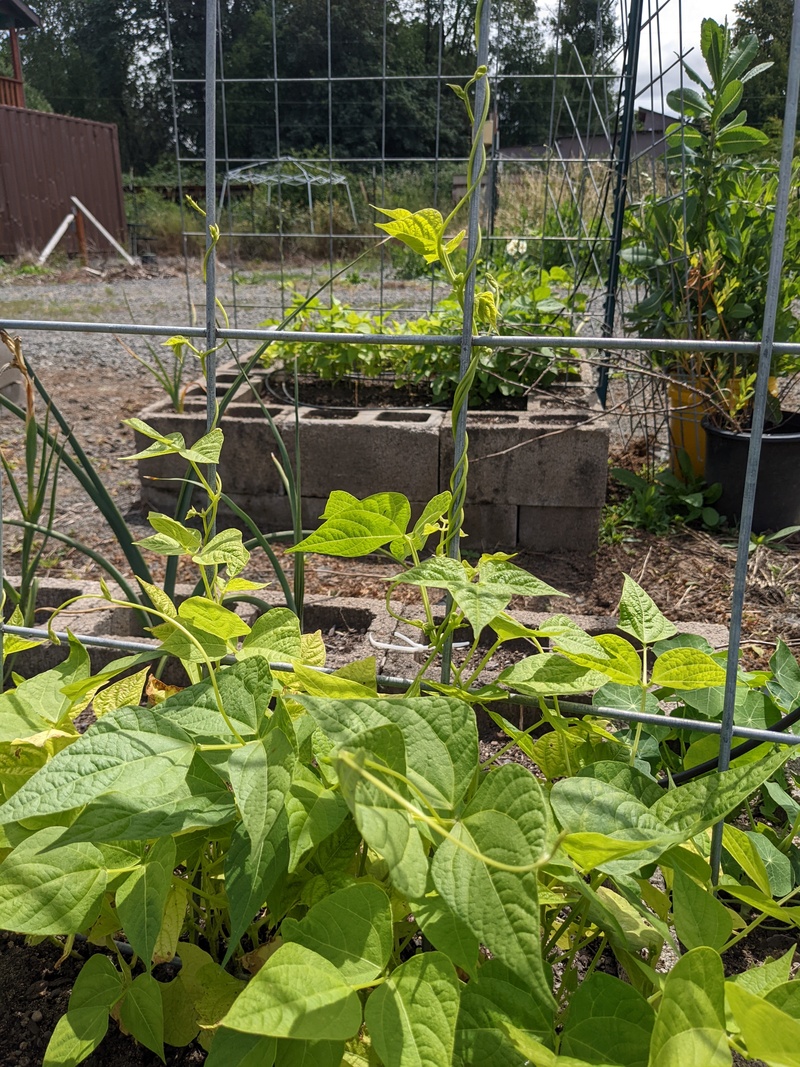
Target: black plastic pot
<point>778,488</point>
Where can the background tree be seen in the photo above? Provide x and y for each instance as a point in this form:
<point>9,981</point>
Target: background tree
<point>108,60</point>
<point>771,21</point>
<point>523,68</point>
<point>91,59</point>
<point>586,36</point>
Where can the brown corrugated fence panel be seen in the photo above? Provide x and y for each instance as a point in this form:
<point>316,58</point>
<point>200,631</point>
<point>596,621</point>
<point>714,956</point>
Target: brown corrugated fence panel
<point>44,160</point>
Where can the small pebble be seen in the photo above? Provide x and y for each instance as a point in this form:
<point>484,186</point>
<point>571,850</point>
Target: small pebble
<point>36,1016</point>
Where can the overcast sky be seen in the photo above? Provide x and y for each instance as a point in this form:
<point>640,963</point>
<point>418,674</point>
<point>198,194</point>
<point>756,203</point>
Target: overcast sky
<point>669,19</point>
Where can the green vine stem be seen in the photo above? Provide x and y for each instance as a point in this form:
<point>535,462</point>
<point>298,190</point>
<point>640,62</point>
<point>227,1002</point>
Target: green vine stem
<point>208,663</point>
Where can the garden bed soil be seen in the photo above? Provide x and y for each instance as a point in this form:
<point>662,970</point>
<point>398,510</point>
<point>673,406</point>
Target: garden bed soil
<point>35,990</point>
<point>366,393</point>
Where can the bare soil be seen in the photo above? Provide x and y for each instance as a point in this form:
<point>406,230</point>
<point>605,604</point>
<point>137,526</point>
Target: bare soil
<point>35,988</point>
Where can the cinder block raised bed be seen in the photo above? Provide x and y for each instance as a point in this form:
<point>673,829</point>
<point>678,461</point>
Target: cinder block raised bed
<point>537,478</point>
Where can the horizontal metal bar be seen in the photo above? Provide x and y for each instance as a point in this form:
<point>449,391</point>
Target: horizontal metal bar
<point>346,78</point>
<point>540,161</point>
<point>325,161</point>
<point>571,709</point>
<point>307,234</point>
<point>131,329</point>
<point>574,710</point>
<point>616,344</point>
<point>122,645</point>
<point>90,640</point>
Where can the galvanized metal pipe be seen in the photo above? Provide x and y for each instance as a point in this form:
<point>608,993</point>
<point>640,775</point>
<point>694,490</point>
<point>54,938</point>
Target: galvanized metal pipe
<point>211,207</point>
<point>473,241</point>
<point>616,344</point>
<point>468,309</point>
<point>621,188</point>
<point>759,413</point>
<point>569,709</point>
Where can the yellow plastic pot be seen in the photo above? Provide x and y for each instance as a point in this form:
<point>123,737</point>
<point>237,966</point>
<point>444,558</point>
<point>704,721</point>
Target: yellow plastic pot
<point>686,410</point>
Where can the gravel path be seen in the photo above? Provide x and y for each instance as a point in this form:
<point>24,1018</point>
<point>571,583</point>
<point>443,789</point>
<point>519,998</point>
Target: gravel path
<point>163,296</point>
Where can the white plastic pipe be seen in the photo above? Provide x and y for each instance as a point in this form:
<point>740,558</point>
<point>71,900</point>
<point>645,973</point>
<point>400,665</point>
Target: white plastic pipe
<point>85,211</point>
<point>51,244</point>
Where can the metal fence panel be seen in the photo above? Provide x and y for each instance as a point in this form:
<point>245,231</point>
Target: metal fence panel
<point>44,160</point>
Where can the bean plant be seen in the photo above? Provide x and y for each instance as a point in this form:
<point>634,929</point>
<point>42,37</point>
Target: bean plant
<point>528,301</point>
<point>341,877</point>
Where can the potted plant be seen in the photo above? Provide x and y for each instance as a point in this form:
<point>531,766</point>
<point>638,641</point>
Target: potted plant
<point>704,258</point>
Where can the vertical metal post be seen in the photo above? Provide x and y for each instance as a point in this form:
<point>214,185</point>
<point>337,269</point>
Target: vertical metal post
<point>474,208</point>
<point>383,152</point>
<point>621,189</point>
<point>226,189</point>
<point>211,207</point>
<point>472,245</point>
<point>759,413</point>
<point>330,155</point>
<point>437,141</point>
<point>277,109</point>
<point>175,134</point>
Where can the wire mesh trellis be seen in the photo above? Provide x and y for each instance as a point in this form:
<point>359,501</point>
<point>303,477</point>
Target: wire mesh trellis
<point>578,123</point>
<point>596,144</point>
<point>627,347</point>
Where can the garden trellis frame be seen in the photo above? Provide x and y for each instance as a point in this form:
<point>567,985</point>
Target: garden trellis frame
<point>211,334</point>
<point>576,182</point>
<point>290,172</point>
<point>581,170</point>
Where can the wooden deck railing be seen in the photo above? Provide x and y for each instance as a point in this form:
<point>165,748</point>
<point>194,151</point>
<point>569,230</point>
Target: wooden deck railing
<point>11,92</point>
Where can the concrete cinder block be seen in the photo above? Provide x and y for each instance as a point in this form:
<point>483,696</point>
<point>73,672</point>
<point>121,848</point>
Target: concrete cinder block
<point>550,457</point>
<point>246,464</point>
<point>566,531</point>
<point>365,452</point>
<point>533,458</point>
<point>490,526</point>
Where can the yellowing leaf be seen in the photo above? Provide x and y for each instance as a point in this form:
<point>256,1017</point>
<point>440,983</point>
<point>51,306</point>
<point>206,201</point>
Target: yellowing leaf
<point>687,668</point>
<point>119,694</point>
<point>420,231</point>
<point>166,944</point>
